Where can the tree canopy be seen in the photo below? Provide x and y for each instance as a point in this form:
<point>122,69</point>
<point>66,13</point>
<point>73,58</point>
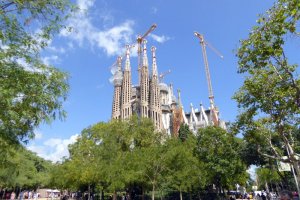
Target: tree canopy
<point>270,96</point>
<point>31,91</point>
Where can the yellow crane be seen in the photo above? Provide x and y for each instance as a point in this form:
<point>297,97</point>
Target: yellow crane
<point>204,43</point>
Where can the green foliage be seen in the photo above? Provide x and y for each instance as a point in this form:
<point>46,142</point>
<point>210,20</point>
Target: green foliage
<point>185,170</point>
<point>267,175</point>
<point>111,155</point>
<point>184,132</point>
<point>270,96</point>
<point>31,92</point>
<point>219,151</point>
<point>25,169</point>
<point>119,155</point>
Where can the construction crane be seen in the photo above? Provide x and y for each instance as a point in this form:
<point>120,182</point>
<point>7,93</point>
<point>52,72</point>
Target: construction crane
<point>139,47</point>
<point>162,75</point>
<point>210,90</point>
<point>114,65</point>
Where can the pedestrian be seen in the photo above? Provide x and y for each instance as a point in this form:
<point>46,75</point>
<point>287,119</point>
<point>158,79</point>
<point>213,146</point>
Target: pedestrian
<point>285,195</point>
<point>12,196</point>
<point>35,195</point>
<point>21,195</point>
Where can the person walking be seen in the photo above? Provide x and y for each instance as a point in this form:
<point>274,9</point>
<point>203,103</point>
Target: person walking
<point>12,196</point>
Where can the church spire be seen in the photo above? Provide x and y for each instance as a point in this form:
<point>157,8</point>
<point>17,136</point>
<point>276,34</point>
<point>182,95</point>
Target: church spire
<point>154,65</point>
<point>127,63</point>
<point>126,110</point>
<point>179,98</point>
<point>117,80</point>
<point>145,57</point>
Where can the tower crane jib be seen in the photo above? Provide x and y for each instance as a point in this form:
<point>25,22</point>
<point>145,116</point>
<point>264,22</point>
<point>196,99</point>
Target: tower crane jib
<point>162,75</point>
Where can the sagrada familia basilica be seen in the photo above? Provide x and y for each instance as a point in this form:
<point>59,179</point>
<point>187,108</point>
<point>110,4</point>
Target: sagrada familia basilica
<point>154,99</point>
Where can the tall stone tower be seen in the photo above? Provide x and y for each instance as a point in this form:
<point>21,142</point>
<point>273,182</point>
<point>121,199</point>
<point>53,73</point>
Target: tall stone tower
<point>144,84</point>
<point>118,77</point>
<point>155,107</point>
<point>126,110</point>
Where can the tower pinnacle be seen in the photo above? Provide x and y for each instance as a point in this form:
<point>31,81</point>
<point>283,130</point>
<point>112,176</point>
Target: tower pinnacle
<point>145,57</point>
<point>127,64</point>
<point>154,65</point>
<point>179,98</point>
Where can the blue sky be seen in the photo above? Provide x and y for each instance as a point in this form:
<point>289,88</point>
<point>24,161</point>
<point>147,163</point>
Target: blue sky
<point>102,28</point>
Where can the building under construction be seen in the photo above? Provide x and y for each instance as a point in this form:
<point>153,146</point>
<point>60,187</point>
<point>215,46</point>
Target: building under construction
<point>152,98</point>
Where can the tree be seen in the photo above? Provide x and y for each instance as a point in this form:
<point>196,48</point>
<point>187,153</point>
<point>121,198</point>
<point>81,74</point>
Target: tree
<point>184,170</point>
<point>31,92</point>
<point>25,169</point>
<point>112,155</point>
<point>219,151</point>
<point>184,132</point>
<point>266,177</point>
<point>270,96</point>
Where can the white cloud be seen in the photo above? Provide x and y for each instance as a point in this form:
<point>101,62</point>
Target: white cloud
<point>27,67</point>
<point>84,5</point>
<point>56,49</point>
<point>47,60</point>
<point>111,40</point>
<point>159,39</point>
<point>38,135</point>
<point>252,171</point>
<point>3,47</point>
<point>54,149</point>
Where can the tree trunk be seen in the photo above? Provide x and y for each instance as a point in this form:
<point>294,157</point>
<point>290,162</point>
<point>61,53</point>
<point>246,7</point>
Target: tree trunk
<point>153,188</point>
<point>143,194</point>
<point>267,187</point>
<point>277,188</point>
<point>115,195</point>
<point>295,167</point>
<point>199,197</point>
<point>89,192</point>
<point>180,192</point>
<point>102,194</point>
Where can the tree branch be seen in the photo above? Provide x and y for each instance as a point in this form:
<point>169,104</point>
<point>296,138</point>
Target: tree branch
<point>6,6</point>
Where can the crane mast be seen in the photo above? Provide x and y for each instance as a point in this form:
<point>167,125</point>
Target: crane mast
<point>207,73</point>
<point>214,113</point>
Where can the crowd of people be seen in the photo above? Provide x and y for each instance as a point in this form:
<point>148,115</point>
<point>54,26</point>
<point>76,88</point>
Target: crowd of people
<point>12,195</point>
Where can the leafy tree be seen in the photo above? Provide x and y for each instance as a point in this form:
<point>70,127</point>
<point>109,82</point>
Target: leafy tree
<point>184,168</point>
<point>25,169</point>
<point>31,92</point>
<point>112,156</point>
<point>270,96</point>
<point>219,151</point>
<point>267,176</point>
<point>184,132</point>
